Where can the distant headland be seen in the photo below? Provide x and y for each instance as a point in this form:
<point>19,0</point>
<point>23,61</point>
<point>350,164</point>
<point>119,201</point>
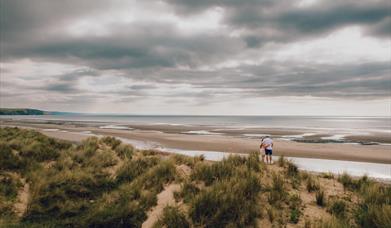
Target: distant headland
<point>28,111</point>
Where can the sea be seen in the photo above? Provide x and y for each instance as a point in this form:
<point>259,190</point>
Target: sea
<point>352,124</point>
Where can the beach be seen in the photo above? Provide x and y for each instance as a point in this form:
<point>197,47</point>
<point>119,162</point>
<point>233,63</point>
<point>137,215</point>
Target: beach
<point>188,137</point>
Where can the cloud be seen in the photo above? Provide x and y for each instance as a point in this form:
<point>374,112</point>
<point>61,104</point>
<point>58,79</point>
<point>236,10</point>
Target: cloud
<point>196,52</point>
<point>285,21</point>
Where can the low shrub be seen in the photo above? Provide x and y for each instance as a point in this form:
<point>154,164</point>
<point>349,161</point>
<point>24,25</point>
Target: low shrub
<point>172,217</point>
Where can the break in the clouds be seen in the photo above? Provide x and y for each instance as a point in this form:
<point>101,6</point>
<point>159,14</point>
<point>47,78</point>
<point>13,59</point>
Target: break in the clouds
<point>197,57</point>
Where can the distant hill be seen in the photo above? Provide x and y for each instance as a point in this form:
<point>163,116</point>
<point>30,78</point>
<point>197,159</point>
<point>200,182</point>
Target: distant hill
<point>28,111</point>
<point>21,111</point>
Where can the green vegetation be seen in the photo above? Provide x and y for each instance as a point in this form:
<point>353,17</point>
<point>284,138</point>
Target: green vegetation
<point>188,191</point>
<point>102,182</point>
<point>328,175</point>
<point>332,223</point>
<point>375,206</point>
<point>231,198</point>
<point>20,111</point>
<point>320,198</point>
<point>295,215</point>
<point>277,192</point>
<point>352,184</point>
<point>312,185</point>
<point>173,218</point>
<point>338,208</point>
<point>281,161</point>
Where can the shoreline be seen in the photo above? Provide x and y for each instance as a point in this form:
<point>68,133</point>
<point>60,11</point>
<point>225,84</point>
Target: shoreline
<point>217,142</point>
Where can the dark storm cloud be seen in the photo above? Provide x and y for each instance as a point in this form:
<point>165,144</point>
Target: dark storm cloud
<point>288,22</point>
<point>157,52</point>
<point>129,46</point>
<point>270,79</point>
<point>61,88</point>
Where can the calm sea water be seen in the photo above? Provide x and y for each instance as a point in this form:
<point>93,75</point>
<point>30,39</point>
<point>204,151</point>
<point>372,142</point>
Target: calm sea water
<point>346,124</point>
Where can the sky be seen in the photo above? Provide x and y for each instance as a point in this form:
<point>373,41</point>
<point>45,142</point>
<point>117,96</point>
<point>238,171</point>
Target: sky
<point>204,57</point>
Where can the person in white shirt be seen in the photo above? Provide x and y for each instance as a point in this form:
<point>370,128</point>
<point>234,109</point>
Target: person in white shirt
<point>267,145</point>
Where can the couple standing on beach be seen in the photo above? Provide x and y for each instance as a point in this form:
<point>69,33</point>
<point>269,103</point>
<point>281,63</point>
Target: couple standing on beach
<point>267,146</point>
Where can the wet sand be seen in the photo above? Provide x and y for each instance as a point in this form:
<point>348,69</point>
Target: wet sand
<point>171,137</point>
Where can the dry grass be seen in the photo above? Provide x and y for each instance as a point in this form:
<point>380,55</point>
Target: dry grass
<point>104,183</point>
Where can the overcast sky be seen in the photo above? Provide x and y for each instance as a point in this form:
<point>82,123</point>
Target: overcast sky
<point>247,57</point>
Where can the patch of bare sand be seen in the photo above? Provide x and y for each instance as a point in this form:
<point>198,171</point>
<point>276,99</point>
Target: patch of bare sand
<point>166,197</point>
<point>23,198</point>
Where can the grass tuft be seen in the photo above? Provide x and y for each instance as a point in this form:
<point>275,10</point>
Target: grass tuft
<point>281,161</point>
<point>312,185</point>
<point>172,217</point>
<point>338,208</point>
<point>277,191</point>
<point>320,198</point>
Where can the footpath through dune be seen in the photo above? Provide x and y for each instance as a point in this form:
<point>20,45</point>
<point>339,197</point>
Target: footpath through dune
<point>23,197</point>
<point>166,197</point>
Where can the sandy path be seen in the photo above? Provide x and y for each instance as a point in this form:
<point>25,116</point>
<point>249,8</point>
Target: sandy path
<point>166,197</point>
<point>23,197</point>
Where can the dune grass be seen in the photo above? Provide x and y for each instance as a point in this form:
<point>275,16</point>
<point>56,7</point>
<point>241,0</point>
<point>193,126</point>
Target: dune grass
<point>320,198</point>
<point>312,184</point>
<point>229,202</point>
<point>172,217</point>
<point>102,182</point>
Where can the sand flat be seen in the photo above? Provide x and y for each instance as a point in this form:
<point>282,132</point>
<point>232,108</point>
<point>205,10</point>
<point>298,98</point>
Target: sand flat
<point>224,143</point>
